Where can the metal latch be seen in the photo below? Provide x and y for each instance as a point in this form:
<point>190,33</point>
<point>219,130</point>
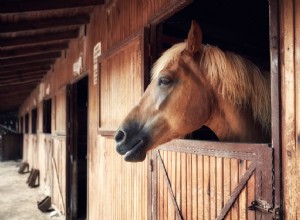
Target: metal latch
<point>263,206</point>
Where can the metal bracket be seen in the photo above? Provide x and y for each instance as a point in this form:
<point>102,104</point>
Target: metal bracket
<point>264,207</point>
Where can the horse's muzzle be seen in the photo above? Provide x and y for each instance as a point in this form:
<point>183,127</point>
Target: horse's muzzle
<point>131,143</point>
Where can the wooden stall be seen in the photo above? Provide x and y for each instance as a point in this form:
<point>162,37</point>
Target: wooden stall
<point>74,149</point>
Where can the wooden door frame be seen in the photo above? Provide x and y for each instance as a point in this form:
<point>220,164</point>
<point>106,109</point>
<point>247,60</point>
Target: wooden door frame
<point>71,142</point>
<point>275,95</point>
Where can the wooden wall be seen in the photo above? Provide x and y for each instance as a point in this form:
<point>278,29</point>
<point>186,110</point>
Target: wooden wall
<point>118,190</point>
<point>290,91</point>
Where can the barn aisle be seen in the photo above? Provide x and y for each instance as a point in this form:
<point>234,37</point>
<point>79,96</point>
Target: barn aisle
<point>19,201</point>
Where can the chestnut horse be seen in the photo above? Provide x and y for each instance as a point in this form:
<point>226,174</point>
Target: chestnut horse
<point>194,85</point>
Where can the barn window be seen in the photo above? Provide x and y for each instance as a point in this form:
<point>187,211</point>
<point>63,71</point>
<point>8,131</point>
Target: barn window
<point>47,106</point>
<point>26,123</point>
<point>33,121</point>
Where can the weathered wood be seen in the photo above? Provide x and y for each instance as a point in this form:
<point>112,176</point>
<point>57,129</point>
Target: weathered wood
<point>27,66</point>
<point>29,59</point>
<point>33,49</point>
<point>34,39</point>
<point>26,25</point>
<point>290,153</point>
<point>31,5</point>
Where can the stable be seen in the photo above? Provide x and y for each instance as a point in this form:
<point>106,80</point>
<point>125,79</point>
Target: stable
<point>74,69</point>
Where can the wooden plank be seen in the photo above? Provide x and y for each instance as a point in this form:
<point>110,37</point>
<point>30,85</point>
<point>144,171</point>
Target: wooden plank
<point>213,183</point>
<point>242,197</point>
<point>200,188</point>
<point>32,66</point>
<point>33,49</point>
<point>29,59</point>
<point>184,185</point>
<point>290,162</point>
<point>234,183</point>
<point>178,180</point>
<point>219,185</point>
<point>189,186</point>
<point>41,38</point>
<point>26,25</point>
<point>32,5</point>
<point>227,184</point>
<point>194,176</point>
<point>250,193</point>
<point>206,183</point>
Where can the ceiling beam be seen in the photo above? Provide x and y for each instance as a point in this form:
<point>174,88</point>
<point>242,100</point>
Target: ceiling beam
<point>34,69</point>
<point>34,39</point>
<point>11,77</point>
<point>29,59</point>
<point>34,49</point>
<point>33,5</point>
<point>26,25</point>
<point>26,67</point>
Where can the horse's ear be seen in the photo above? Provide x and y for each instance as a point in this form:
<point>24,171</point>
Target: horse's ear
<point>194,40</point>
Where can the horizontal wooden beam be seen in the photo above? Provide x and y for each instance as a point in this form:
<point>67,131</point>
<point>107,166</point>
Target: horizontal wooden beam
<point>12,90</point>
<point>19,83</point>
<point>34,69</point>
<point>33,5</point>
<point>29,59</point>
<point>11,77</point>
<point>35,39</point>
<point>27,25</point>
<point>26,67</point>
<point>33,49</point>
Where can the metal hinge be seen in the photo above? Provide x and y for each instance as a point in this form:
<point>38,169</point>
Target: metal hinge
<point>263,206</point>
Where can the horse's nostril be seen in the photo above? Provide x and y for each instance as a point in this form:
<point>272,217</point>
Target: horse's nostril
<point>120,136</point>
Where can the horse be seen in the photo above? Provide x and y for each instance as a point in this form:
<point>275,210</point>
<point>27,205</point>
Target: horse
<point>196,85</point>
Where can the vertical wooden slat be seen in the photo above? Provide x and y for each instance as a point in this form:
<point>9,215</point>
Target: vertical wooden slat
<point>213,183</point>
<point>206,182</point>
<point>178,179</point>
<point>183,186</point>
<point>234,181</point>
<point>164,155</point>
<point>220,187</point>
<point>250,193</point>
<point>227,183</point>
<point>194,177</point>
<point>173,180</point>
<point>200,190</point>
<point>242,197</point>
<point>189,186</point>
<point>289,151</point>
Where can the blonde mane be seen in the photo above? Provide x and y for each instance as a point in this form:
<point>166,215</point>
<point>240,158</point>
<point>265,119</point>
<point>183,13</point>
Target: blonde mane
<point>236,78</point>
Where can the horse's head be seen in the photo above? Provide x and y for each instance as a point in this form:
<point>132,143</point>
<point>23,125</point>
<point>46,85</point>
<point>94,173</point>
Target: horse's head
<point>177,101</point>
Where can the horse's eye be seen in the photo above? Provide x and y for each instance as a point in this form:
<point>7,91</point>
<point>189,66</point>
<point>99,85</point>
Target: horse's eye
<point>164,81</point>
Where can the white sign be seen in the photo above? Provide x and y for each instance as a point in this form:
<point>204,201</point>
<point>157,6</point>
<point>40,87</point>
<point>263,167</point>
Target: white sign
<point>97,53</point>
<point>77,66</point>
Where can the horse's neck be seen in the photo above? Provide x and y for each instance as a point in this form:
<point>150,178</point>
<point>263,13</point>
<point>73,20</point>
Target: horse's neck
<point>233,124</point>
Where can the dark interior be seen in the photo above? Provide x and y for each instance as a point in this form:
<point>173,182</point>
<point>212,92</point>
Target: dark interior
<point>237,26</point>
<point>82,98</point>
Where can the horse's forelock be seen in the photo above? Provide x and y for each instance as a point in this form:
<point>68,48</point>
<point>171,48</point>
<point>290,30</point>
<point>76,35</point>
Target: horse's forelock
<point>168,56</point>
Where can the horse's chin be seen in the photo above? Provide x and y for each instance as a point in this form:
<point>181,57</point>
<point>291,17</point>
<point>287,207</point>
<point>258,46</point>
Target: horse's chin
<point>135,153</point>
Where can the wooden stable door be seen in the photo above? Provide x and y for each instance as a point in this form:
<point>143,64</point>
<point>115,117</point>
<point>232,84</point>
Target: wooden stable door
<point>212,180</point>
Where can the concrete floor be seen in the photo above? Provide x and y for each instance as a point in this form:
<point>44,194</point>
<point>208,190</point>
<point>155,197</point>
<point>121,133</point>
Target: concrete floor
<point>18,201</point>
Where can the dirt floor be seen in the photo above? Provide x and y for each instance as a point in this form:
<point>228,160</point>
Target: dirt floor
<point>18,201</point>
